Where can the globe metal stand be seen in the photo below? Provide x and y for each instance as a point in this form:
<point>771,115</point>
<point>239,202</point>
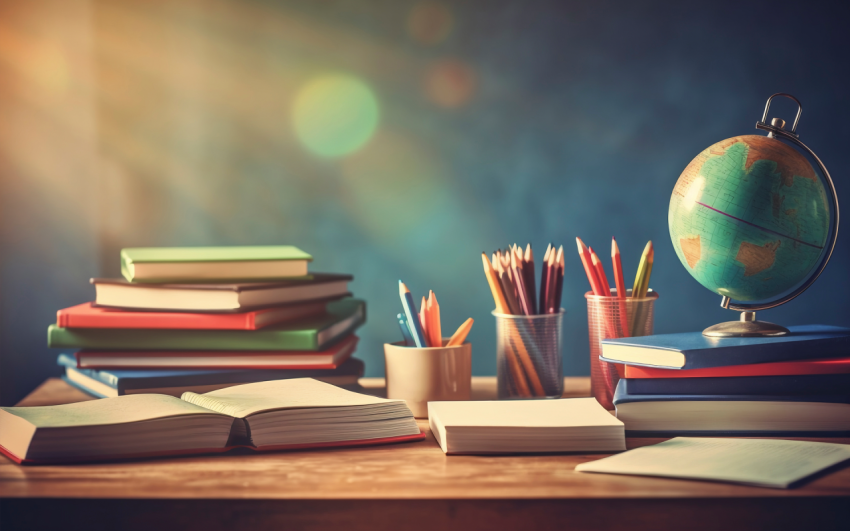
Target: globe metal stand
<point>748,326</point>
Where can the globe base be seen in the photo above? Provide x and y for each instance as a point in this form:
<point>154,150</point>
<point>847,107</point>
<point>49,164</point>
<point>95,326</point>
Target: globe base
<point>746,327</point>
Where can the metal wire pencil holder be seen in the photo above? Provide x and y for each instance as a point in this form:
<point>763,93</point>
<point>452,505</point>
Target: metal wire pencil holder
<point>528,355</point>
<point>613,317</point>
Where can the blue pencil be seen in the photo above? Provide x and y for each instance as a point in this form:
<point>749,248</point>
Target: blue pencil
<point>405,330</point>
<point>412,315</point>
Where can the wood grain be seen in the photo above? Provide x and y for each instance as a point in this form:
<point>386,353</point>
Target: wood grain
<point>407,474</point>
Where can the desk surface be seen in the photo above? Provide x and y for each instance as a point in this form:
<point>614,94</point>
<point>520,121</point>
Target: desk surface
<point>409,482</point>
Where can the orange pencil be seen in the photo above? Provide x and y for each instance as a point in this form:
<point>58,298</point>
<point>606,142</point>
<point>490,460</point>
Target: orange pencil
<point>434,329</point>
<point>588,267</point>
<point>460,335</point>
<point>600,273</point>
<point>423,320</point>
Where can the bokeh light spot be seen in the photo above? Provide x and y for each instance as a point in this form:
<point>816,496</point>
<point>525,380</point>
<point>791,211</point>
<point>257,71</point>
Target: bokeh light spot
<point>450,83</point>
<point>335,115</point>
<point>429,23</point>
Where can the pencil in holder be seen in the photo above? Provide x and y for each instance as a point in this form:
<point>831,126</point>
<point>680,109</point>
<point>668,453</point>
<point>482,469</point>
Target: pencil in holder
<point>528,355</point>
<point>613,317</point>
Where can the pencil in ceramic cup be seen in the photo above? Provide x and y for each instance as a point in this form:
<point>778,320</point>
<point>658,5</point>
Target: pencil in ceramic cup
<point>405,330</point>
<point>435,333</point>
<point>423,320</point>
<point>412,317</point>
<point>460,334</point>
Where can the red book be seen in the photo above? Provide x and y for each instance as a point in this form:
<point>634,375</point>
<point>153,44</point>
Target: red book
<point>783,368</point>
<point>330,358</point>
<point>87,315</point>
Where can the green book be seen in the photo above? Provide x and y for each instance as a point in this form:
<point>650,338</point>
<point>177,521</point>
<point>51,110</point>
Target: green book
<point>205,264</point>
<point>311,334</point>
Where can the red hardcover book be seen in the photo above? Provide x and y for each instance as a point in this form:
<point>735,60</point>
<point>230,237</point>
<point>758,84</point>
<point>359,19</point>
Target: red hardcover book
<point>289,414</point>
<point>783,368</point>
<point>87,315</point>
<point>330,358</point>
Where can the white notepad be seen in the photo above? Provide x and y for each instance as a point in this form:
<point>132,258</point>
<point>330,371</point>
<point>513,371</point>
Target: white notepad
<point>761,462</point>
<point>525,426</point>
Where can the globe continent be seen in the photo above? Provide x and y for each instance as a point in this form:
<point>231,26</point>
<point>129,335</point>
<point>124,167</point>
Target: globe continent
<point>749,218</point>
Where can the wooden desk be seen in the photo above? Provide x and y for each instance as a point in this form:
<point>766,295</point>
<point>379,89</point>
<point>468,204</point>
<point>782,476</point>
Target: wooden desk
<point>406,486</point>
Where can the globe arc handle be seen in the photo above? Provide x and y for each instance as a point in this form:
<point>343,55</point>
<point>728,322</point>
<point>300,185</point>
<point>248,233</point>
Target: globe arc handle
<point>799,110</point>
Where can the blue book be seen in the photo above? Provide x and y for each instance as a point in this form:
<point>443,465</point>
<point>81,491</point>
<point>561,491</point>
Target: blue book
<point>808,384</point>
<point>647,415</point>
<point>692,350</point>
<point>107,383</point>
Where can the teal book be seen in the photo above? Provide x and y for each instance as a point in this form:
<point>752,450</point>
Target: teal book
<point>311,334</point>
<point>206,264</point>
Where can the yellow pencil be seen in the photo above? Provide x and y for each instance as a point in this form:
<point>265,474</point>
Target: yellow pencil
<point>495,289</point>
<point>460,335</point>
<point>643,272</point>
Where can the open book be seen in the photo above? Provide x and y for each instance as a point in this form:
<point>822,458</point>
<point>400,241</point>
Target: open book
<point>275,415</point>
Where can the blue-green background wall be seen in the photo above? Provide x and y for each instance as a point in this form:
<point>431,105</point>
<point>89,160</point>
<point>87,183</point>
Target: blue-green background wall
<point>135,123</point>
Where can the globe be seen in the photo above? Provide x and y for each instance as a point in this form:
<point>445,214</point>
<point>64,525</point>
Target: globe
<point>749,218</point>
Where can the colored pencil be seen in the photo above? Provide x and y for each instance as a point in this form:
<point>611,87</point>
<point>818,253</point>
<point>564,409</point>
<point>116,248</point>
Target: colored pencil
<point>423,320</point>
<point>495,289</point>
<point>544,280</point>
<point>600,272</point>
<point>530,281</point>
<point>405,331</point>
<point>460,334</point>
<point>617,264</point>
<point>522,293</point>
<point>552,281</point>
<point>412,317</point>
<point>559,278</point>
<point>435,333</point>
<point>527,365</point>
<point>618,270</point>
<point>508,289</point>
<point>643,272</point>
<point>588,267</point>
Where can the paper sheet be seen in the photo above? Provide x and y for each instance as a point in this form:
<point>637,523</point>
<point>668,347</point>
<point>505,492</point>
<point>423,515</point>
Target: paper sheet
<point>761,462</point>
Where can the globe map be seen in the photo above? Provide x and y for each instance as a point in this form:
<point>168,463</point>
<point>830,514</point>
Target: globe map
<point>749,218</point>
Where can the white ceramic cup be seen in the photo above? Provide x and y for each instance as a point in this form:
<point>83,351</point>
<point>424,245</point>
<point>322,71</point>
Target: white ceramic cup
<point>422,375</point>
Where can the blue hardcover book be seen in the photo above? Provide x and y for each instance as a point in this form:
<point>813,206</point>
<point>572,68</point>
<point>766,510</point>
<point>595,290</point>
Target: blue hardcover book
<point>809,384</point>
<point>737,415</point>
<point>108,383</point>
<point>692,350</point>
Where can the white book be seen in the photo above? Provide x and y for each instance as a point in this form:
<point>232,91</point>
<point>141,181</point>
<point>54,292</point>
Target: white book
<point>759,462</point>
<point>525,426</point>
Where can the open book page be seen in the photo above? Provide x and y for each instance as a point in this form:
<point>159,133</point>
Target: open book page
<point>117,410</point>
<point>243,400</point>
<point>761,462</point>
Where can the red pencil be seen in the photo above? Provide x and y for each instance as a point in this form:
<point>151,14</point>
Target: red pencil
<point>600,272</point>
<point>588,267</point>
<point>618,269</point>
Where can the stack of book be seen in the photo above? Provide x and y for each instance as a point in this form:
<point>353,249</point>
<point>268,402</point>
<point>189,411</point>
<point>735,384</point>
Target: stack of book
<point>689,384</point>
<point>204,318</point>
